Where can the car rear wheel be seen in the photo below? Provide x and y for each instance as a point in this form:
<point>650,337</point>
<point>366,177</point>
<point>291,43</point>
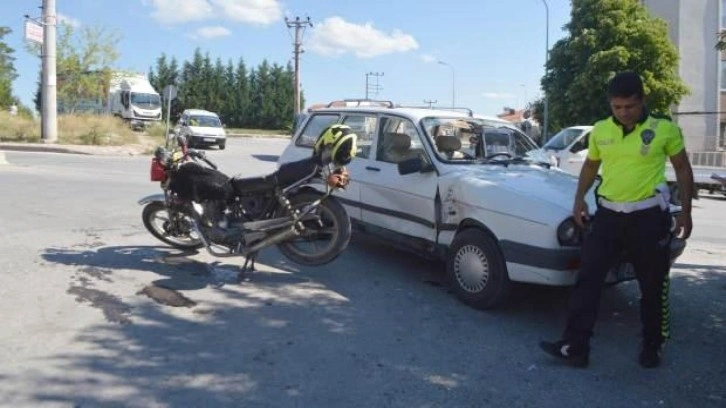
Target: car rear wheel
<point>476,269</point>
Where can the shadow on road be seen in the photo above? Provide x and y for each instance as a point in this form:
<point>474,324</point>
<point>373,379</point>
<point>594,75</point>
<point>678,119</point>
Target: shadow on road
<point>383,333</point>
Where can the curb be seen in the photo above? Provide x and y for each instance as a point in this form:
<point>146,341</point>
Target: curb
<point>37,148</point>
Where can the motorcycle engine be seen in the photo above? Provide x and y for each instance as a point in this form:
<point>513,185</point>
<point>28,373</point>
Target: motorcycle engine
<point>215,224</point>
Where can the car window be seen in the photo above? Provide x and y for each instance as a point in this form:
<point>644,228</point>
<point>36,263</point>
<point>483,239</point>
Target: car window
<point>562,139</point>
<point>364,126</point>
<point>507,140</point>
<point>314,127</point>
<point>204,121</point>
<point>398,140</point>
<point>581,144</point>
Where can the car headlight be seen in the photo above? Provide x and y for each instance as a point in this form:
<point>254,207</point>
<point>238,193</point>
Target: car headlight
<point>569,234</point>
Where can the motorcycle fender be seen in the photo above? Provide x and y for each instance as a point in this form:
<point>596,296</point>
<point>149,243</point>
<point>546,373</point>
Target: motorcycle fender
<point>151,198</point>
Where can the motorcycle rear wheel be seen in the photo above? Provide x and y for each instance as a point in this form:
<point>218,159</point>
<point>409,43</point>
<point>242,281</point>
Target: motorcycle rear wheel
<point>319,244</point>
<point>157,219</point>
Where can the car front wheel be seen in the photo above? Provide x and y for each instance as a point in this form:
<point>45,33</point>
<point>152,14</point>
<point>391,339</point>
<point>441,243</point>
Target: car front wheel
<point>476,269</point>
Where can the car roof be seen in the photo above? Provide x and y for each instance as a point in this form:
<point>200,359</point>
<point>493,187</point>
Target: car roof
<point>199,112</point>
<point>415,114</point>
<point>580,127</point>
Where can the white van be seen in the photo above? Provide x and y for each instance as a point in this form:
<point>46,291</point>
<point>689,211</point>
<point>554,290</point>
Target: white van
<point>201,128</point>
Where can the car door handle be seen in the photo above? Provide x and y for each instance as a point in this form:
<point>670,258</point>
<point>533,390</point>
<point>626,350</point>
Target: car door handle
<point>371,168</point>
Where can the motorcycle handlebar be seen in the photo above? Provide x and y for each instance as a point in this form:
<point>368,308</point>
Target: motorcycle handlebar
<point>195,154</point>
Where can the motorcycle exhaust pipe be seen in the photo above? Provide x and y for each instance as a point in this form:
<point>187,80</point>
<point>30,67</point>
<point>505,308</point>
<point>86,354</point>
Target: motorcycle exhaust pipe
<point>208,245</point>
<point>271,240</point>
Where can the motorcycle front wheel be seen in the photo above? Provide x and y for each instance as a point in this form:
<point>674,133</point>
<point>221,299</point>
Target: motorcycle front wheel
<point>325,236</point>
<point>170,227</point>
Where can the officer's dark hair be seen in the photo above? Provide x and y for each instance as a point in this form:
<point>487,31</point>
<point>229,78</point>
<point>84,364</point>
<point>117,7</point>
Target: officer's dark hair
<point>625,85</point>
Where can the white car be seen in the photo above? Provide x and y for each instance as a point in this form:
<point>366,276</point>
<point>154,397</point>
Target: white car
<point>445,184</point>
<point>566,150</point>
<point>201,128</point>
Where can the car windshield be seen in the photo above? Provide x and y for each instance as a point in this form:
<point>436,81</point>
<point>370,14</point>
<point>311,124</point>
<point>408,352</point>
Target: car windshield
<point>471,139</point>
<point>145,100</point>
<point>562,139</point>
<point>204,121</point>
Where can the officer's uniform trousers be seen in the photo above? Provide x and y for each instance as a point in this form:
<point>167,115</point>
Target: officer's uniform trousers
<point>644,236</point>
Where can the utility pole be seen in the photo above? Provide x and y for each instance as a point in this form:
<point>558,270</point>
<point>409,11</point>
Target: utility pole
<point>430,103</point>
<point>375,88</point>
<point>299,26</point>
<point>49,108</point>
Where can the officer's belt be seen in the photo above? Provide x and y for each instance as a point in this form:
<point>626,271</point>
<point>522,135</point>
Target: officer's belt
<point>660,199</point>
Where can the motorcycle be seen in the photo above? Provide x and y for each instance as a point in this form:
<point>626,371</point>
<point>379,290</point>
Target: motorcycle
<point>201,207</point>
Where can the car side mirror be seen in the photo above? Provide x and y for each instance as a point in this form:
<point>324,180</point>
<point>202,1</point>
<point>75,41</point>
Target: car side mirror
<point>414,165</point>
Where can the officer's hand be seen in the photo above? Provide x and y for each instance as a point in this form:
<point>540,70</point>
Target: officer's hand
<point>580,213</point>
<point>684,225</point>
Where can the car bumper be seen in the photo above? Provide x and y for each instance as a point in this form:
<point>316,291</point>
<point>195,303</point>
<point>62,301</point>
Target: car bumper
<point>563,265</point>
<point>210,140</point>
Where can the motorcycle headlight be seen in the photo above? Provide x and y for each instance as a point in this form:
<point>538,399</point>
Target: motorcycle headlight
<point>569,234</point>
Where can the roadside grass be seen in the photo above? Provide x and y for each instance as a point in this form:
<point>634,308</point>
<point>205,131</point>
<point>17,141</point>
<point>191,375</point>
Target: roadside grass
<point>99,130</point>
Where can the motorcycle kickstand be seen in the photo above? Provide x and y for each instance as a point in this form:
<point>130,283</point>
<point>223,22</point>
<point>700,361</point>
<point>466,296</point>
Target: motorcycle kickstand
<point>249,260</point>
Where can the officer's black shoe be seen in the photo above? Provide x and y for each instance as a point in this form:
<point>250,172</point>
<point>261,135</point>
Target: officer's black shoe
<point>575,357</point>
<point>649,356</point>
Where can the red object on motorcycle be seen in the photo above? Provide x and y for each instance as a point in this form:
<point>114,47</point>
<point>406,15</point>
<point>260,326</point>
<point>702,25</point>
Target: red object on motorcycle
<point>158,173</point>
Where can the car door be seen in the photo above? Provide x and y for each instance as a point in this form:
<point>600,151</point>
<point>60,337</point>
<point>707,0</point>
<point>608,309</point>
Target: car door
<point>403,204</point>
<point>364,125</point>
<point>302,148</point>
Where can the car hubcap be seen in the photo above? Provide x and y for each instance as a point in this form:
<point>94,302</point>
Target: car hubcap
<point>471,268</point>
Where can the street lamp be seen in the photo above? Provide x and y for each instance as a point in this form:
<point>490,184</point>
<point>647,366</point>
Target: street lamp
<point>547,58</point>
<point>453,83</point>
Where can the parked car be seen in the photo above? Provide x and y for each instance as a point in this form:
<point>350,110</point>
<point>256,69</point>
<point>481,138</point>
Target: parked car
<point>567,149</point>
<point>201,128</point>
<point>445,184</point>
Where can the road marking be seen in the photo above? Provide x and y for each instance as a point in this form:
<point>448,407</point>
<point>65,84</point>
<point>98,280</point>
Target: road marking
<point>2,158</point>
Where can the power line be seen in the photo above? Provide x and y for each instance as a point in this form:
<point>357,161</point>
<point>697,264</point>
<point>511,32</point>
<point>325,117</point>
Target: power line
<point>299,26</point>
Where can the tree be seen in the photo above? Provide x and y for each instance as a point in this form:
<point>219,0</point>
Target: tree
<point>83,67</point>
<point>606,37</point>
<point>721,43</point>
<point>7,70</point>
<point>167,73</point>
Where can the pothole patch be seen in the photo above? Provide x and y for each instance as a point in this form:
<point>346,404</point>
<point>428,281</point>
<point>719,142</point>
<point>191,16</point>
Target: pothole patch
<point>167,296</point>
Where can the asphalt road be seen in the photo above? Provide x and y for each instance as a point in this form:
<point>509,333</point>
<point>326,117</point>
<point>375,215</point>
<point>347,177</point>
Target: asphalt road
<point>375,328</point>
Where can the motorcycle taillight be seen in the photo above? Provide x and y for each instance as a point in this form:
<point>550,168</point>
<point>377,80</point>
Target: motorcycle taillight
<point>158,172</point>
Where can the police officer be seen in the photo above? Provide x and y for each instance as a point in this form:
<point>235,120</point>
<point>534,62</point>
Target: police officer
<point>632,214</point>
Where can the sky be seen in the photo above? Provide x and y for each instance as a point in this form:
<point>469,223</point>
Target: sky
<point>480,54</point>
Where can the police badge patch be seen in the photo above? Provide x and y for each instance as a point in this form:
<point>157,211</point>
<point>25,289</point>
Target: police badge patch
<point>646,136</point>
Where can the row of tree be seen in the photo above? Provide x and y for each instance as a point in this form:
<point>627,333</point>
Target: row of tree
<point>260,97</point>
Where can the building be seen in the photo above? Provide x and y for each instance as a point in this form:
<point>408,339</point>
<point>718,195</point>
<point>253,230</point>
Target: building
<point>693,27</point>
